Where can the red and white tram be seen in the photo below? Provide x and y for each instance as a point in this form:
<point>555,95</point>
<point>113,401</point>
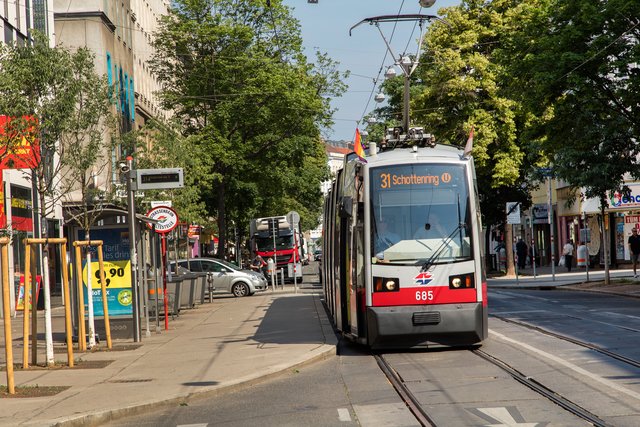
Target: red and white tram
<point>402,259</point>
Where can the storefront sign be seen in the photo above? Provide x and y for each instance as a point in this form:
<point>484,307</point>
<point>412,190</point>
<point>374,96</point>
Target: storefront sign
<point>619,200</point>
<point>540,213</point>
<point>20,296</point>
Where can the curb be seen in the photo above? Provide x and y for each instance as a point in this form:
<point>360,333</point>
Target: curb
<point>324,352</point>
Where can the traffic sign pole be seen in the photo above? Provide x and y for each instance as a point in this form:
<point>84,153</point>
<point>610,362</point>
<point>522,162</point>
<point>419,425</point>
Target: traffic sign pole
<point>165,298</point>
<point>133,250</point>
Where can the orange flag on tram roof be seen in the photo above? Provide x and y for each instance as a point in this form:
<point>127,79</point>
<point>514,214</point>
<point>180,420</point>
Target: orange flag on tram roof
<point>358,148</point>
<point>469,146</point>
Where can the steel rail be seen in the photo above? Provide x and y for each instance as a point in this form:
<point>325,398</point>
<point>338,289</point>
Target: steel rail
<point>405,394</point>
<point>621,358</point>
<point>543,390</point>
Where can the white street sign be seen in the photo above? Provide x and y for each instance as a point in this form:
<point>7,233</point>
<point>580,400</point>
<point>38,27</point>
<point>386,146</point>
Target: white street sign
<point>513,212</point>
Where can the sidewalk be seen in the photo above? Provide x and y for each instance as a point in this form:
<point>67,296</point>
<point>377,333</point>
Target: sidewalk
<point>622,280</point>
<point>213,347</point>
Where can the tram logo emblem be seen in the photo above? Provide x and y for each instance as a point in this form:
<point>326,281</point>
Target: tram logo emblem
<point>446,177</point>
<point>423,278</point>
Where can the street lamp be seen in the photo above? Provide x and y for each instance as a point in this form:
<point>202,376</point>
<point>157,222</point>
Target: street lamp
<point>406,62</point>
<point>379,97</point>
<point>426,3</point>
<point>390,73</point>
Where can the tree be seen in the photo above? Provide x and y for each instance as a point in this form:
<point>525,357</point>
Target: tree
<point>583,91</point>
<point>234,75</point>
<point>45,84</point>
<point>87,150</point>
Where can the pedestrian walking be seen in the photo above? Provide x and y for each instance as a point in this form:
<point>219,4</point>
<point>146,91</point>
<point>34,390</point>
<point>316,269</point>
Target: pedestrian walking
<point>634,248</point>
<point>521,252</point>
<point>567,252</point>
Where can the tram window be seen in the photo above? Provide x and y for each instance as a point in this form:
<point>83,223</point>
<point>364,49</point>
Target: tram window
<point>425,206</point>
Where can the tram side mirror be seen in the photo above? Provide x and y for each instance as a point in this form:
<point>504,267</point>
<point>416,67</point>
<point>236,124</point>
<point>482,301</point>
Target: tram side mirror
<point>346,207</point>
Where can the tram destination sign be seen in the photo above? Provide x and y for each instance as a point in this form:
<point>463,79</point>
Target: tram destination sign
<point>156,179</point>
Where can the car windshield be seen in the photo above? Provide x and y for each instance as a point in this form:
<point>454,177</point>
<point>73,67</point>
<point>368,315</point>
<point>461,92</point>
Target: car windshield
<point>420,213</point>
<point>228,264</point>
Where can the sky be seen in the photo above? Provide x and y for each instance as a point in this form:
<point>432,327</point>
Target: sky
<point>325,27</point>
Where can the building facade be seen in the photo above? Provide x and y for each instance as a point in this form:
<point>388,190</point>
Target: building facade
<point>18,198</point>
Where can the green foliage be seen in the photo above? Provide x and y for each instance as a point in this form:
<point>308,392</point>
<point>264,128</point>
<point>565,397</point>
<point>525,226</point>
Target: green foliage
<point>584,91</point>
<point>459,85</point>
<point>249,104</point>
<point>60,89</point>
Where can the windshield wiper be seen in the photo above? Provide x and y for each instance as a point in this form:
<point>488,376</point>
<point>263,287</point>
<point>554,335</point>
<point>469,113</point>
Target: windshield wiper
<point>436,254</point>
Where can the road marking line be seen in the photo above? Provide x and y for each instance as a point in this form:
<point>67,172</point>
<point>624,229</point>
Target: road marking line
<point>343,415</point>
<point>503,417</point>
<point>571,366</point>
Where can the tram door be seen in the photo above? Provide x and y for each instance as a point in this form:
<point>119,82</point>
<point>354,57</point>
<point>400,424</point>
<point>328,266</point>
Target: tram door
<point>357,296</point>
<point>344,274</point>
<point>357,316</point>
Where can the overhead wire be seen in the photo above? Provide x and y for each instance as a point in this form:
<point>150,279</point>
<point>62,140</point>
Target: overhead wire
<point>375,80</point>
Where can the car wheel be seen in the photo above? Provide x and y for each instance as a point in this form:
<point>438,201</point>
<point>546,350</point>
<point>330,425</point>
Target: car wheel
<point>240,289</point>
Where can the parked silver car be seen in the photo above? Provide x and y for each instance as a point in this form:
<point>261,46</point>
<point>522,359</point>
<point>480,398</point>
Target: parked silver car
<point>226,276</point>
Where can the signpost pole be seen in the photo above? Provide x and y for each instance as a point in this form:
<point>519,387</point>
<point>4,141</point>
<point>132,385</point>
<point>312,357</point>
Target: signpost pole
<point>274,231</point>
<point>133,250</point>
<point>551,234</point>
<point>165,298</point>
<point>533,247</point>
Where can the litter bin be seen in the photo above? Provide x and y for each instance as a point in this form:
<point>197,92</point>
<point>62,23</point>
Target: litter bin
<point>200,288</point>
<point>174,291</point>
<point>187,295</point>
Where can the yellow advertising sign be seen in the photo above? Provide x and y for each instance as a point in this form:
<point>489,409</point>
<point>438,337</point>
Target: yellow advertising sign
<point>117,274</point>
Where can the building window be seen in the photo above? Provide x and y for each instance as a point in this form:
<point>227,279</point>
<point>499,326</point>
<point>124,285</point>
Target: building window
<point>109,72</point>
<point>132,100</point>
<point>8,33</point>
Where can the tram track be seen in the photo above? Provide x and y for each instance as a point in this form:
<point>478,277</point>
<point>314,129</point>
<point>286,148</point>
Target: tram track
<point>542,390</point>
<point>590,346</point>
<point>403,391</point>
<point>425,419</point>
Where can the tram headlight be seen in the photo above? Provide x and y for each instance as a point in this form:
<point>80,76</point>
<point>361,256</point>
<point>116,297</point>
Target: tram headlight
<point>390,285</point>
<point>386,284</point>
<point>462,281</point>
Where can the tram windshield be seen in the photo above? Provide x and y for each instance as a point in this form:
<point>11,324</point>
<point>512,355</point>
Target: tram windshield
<point>420,213</point>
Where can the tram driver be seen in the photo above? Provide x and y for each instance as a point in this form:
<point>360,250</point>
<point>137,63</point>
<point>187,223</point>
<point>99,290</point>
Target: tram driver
<point>384,239</point>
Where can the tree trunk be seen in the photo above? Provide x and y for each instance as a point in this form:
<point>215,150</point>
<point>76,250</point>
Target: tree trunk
<point>48,332</point>
<point>91,319</point>
<point>222,223</point>
<point>508,246</point>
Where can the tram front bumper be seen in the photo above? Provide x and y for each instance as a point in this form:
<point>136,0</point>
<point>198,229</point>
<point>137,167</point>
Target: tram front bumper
<point>426,326</point>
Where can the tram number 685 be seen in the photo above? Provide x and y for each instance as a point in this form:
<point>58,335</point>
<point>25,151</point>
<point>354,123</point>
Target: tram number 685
<point>424,295</point>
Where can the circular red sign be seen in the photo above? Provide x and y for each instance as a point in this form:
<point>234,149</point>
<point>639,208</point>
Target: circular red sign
<point>167,219</point>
